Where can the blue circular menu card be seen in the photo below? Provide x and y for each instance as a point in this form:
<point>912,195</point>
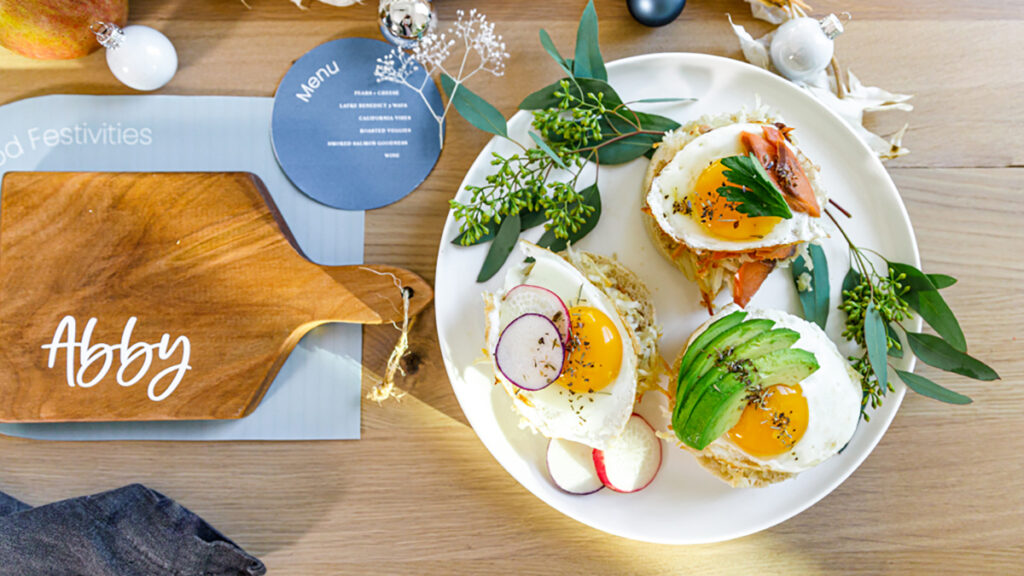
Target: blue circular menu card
<point>349,141</point>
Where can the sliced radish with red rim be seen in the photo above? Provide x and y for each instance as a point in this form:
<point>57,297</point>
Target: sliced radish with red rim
<point>631,461</point>
<point>527,298</point>
<point>530,352</point>
<point>571,466</point>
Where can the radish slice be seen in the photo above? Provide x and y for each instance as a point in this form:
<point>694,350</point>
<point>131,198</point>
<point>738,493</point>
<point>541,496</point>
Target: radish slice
<point>526,298</point>
<point>631,461</point>
<point>571,466</point>
<point>530,352</point>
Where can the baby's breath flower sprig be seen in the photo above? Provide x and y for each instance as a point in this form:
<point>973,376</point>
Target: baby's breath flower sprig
<point>482,50</point>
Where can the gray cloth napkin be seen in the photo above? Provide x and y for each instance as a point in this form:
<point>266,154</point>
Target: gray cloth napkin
<point>124,532</point>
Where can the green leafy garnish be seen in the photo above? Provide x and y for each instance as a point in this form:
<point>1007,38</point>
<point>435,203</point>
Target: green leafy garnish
<point>752,190</point>
<point>924,298</point>
<point>576,120</point>
<point>812,285</point>
<point>876,338</point>
<point>877,303</point>
<point>589,197</point>
<point>501,247</point>
<point>473,108</point>
<point>936,352</point>
<point>926,387</point>
<point>549,47</point>
<point>589,63</point>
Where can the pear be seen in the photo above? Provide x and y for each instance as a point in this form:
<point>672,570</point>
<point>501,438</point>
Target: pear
<point>56,29</point>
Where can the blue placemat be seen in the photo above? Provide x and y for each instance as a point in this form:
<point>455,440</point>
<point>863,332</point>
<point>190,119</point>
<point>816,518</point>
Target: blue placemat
<point>316,394</point>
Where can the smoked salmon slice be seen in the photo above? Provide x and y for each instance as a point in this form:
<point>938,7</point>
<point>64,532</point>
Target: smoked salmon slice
<point>782,164</point>
<point>748,279</point>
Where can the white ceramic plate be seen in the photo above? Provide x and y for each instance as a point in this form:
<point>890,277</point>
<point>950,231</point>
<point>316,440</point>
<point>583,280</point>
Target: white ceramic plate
<point>684,504</point>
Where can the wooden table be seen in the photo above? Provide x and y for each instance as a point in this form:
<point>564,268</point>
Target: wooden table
<point>419,494</point>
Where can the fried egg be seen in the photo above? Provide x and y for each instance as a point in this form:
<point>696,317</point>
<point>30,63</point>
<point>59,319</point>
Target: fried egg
<point>684,201</point>
<point>592,399</point>
<point>794,426</point>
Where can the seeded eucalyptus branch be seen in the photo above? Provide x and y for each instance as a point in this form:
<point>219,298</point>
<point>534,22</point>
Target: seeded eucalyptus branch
<point>876,303</point>
<point>576,120</point>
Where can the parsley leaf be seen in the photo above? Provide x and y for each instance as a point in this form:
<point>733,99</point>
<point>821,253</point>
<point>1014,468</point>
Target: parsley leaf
<point>753,191</point>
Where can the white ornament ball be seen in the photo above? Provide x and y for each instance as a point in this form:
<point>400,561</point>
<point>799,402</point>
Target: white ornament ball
<point>801,48</point>
<point>143,58</point>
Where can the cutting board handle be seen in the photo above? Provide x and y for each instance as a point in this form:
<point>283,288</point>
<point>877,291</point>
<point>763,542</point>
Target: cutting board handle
<point>377,292</point>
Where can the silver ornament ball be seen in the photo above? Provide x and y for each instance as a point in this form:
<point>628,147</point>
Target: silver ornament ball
<point>139,56</point>
<point>803,47</point>
<point>404,22</point>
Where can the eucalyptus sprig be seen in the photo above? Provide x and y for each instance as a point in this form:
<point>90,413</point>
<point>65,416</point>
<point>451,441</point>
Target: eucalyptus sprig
<point>576,120</point>
<point>877,302</point>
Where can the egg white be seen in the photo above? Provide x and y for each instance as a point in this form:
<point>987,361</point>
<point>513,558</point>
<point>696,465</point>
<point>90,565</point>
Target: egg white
<point>833,394</point>
<point>679,177</point>
<point>591,419</point>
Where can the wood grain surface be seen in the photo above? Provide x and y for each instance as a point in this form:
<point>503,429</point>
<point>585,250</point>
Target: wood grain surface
<point>160,296</point>
<point>419,494</point>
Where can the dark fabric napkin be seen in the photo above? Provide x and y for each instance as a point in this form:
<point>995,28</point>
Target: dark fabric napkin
<point>125,532</point>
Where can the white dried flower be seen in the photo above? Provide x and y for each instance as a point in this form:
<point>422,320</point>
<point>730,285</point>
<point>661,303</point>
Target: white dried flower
<point>803,283</point>
<point>482,50</point>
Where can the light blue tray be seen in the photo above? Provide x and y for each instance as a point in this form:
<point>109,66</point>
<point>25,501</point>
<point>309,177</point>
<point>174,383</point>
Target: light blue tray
<point>316,394</point>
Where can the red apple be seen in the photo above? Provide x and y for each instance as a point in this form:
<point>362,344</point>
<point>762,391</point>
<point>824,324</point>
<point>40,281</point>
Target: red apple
<point>56,29</point>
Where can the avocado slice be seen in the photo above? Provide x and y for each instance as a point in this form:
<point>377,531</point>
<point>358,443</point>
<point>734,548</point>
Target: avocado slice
<point>761,344</point>
<point>709,334</point>
<point>717,349</point>
<point>720,407</point>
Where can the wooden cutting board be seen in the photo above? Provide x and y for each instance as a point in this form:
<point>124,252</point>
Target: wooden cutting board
<point>177,296</point>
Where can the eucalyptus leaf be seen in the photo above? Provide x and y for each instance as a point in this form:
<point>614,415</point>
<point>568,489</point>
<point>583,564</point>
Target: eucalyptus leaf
<point>579,87</point>
<point>549,46</point>
<point>936,352</point>
<point>875,340</point>
<point>529,219</point>
<point>591,197</point>
<point>894,351</point>
<point>547,150</point>
<point>937,313</point>
<point>634,146</point>
<point>917,280</point>
<point>941,281</point>
<point>925,299</point>
<point>815,300</point>
<point>501,247</point>
<point>474,109</point>
<point>926,387</point>
<point>588,62</point>
<point>851,280</point>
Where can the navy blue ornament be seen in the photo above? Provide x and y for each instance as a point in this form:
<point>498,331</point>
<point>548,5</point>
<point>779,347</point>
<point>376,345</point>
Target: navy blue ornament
<point>655,12</point>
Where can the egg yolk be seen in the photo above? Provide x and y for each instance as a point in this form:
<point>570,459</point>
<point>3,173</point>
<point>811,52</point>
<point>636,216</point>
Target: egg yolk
<point>719,216</point>
<point>594,353</point>
<point>774,423</point>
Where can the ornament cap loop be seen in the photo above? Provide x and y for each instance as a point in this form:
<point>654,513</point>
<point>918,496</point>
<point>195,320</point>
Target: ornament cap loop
<point>832,26</point>
<point>108,34</point>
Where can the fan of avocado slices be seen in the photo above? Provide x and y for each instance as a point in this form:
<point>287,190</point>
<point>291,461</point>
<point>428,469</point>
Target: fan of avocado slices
<point>722,367</point>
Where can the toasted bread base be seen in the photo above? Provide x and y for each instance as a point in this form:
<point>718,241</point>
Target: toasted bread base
<point>712,275</point>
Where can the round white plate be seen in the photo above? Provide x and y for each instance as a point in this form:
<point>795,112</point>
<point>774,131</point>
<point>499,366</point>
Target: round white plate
<point>684,504</point>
